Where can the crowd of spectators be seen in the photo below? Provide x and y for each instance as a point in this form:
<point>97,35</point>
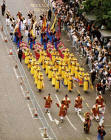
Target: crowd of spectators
<point>86,39</point>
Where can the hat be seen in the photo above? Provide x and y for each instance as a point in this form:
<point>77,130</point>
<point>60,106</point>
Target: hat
<point>41,74</point>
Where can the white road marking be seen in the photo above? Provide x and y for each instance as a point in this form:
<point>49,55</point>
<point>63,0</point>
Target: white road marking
<point>22,91</point>
<point>1,36</point>
<point>50,117</point>
<point>82,119</point>
<point>15,73</point>
<point>87,138</point>
<point>30,110</point>
<point>66,115</point>
<point>56,121</point>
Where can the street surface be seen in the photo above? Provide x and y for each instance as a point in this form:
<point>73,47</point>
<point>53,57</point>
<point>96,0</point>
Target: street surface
<point>17,121</point>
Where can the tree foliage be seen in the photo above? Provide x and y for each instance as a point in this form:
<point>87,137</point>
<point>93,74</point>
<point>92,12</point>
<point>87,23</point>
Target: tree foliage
<point>100,8</point>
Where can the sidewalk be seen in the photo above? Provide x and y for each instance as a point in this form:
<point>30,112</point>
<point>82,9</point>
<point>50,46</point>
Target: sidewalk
<point>16,122</point>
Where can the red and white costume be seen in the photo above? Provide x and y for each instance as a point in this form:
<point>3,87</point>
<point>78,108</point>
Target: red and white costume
<point>63,110</point>
<point>78,104</point>
<point>66,101</point>
<point>95,111</point>
<point>100,102</point>
<point>48,102</point>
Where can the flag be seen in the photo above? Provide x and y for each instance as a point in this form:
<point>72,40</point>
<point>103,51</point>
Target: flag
<point>53,25</point>
<point>44,24</point>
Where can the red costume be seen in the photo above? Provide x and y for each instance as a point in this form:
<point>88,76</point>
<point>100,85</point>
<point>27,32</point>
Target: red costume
<point>48,101</point>
<point>78,102</point>
<point>95,111</point>
<point>87,122</point>
<point>66,101</point>
<point>63,110</point>
<point>99,100</point>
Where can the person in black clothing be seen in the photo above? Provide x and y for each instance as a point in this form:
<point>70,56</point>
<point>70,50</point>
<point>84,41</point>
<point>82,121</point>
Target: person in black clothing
<point>20,53</point>
<point>93,76</point>
<point>99,87</point>
<point>3,7</point>
<point>101,133</point>
<point>49,14</point>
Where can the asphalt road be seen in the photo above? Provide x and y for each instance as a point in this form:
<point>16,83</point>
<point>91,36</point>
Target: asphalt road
<point>72,128</point>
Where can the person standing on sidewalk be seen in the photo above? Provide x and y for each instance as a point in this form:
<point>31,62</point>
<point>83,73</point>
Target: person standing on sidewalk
<point>101,133</point>
<point>3,8</point>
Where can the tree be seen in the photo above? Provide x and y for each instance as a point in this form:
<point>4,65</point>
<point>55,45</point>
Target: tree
<point>101,9</point>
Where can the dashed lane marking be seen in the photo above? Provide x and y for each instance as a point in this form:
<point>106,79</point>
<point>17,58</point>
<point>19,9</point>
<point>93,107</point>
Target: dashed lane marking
<point>2,36</point>
<point>78,91</point>
<point>22,91</point>
<point>50,117</point>
<point>83,98</point>
<point>87,138</point>
<point>30,110</point>
<point>15,73</point>
<point>82,119</point>
<point>87,104</point>
<point>66,115</point>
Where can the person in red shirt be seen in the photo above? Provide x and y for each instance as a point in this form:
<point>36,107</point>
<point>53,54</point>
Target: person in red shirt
<point>62,111</point>
<point>66,101</point>
<point>48,102</point>
<point>78,103</point>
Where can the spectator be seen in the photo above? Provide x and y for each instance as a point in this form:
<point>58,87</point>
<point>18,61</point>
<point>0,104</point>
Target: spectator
<point>3,8</point>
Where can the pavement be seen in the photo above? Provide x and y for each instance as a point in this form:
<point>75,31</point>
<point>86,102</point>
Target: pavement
<point>16,115</point>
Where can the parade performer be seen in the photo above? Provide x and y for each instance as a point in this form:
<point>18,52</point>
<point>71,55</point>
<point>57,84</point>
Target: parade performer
<point>70,83</point>
<point>81,76</point>
<point>40,83</point>
<point>48,102</point>
<point>95,112</point>
<point>66,76</point>
<point>36,75</point>
<point>66,101</point>
<point>86,82</point>
<point>57,82</point>
<point>87,122</point>
<point>54,77</point>
<point>50,71</point>
<point>76,71</point>
<point>63,111</point>
<point>100,102</point>
<point>78,103</point>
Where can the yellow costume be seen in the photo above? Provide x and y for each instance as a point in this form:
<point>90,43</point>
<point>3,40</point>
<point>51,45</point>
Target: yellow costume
<point>86,82</point>
<point>40,82</point>
<point>57,82</point>
<point>70,83</point>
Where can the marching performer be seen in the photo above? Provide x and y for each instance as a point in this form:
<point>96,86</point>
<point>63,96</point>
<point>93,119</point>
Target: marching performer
<point>40,83</point>
<point>36,75</point>
<point>48,102</point>
<point>87,122</point>
<point>81,77</point>
<point>57,82</point>
<point>70,83</point>
<point>86,82</point>
<point>100,102</point>
<point>95,112</point>
<point>63,111</point>
<point>66,101</point>
<point>78,103</point>
<point>54,77</point>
